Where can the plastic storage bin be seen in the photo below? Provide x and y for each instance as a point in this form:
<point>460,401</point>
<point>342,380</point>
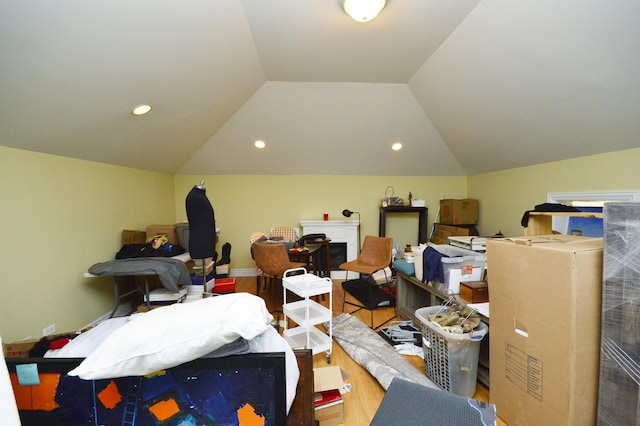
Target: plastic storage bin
<point>450,360</point>
<point>182,229</point>
<point>461,265</point>
<point>417,260</point>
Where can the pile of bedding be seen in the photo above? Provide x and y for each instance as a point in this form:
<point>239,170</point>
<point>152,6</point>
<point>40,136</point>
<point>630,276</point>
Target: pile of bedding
<point>172,335</point>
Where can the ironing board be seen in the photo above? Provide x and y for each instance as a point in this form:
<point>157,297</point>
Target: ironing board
<point>171,271</point>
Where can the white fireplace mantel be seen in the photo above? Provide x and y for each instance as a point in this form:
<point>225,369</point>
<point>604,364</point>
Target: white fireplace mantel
<point>338,231</point>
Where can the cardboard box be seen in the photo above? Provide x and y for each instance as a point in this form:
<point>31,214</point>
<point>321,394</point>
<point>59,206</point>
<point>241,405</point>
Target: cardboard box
<point>327,378</point>
<point>18,349</point>
<point>21,348</point>
<point>133,237</point>
<point>168,230</point>
<point>474,291</point>
<point>545,328</point>
<point>459,212</point>
<point>441,232</point>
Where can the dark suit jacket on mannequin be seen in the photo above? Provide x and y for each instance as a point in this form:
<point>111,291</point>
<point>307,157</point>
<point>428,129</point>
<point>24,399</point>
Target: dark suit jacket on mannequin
<point>202,224</point>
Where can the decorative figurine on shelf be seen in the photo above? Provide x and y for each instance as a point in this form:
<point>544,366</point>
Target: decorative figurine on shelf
<point>407,248</point>
<point>410,197</point>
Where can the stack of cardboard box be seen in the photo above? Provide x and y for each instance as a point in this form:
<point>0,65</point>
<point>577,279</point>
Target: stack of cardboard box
<point>457,218</point>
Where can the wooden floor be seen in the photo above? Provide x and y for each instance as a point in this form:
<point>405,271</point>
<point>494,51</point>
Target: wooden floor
<point>366,394</point>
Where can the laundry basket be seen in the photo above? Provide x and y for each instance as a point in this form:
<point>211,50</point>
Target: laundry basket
<point>451,360</point>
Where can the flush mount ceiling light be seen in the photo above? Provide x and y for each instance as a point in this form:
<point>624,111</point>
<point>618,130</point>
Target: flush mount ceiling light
<point>259,144</point>
<point>141,109</point>
<point>396,146</point>
<point>363,10</point>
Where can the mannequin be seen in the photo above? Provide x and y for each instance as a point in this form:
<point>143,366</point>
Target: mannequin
<point>202,224</point>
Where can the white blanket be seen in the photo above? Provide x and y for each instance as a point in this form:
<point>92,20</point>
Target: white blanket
<point>8,409</point>
<point>174,334</point>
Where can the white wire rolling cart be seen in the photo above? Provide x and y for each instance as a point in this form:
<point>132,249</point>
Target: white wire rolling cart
<point>307,313</point>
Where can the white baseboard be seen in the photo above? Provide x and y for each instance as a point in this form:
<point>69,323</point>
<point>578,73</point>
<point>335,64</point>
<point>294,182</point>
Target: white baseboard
<point>124,309</point>
<point>246,272</point>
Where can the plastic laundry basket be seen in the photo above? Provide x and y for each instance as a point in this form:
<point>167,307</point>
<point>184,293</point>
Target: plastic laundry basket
<point>451,360</point>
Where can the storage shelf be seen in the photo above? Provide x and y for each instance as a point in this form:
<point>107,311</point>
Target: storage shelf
<point>297,311</point>
<point>540,222</point>
<point>307,313</point>
<point>308,285</point>
<point>297,339</point>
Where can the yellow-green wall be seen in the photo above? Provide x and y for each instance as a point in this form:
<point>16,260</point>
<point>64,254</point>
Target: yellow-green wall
<point>505,196</point>
<point>59,217</point>
<point>247,204</point>
<point>62,215</point>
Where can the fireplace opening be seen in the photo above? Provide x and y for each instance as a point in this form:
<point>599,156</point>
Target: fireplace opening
<point>338,253</point>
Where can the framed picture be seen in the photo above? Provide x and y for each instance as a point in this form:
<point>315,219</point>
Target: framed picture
<point>233,390</point>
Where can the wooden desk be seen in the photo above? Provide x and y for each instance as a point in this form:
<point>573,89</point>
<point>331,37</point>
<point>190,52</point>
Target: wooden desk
<point>311,257</point>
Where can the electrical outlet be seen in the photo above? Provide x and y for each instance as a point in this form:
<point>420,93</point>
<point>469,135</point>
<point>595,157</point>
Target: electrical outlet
<point>49,330</point>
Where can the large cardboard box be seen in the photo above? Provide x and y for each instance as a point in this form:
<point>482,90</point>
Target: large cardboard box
<point>459,212</point>
<point>545,328</point>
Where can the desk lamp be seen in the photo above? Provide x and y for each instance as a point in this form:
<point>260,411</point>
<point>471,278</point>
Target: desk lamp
<point>348,213</point>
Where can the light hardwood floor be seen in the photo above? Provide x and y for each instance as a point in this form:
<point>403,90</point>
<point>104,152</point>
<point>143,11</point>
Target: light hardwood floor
<point>366,394</point>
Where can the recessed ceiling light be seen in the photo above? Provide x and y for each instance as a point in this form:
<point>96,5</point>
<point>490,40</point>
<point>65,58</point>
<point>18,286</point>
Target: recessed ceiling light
<point>259,144</point>
<point>396,146</point>
<point>141,109</point>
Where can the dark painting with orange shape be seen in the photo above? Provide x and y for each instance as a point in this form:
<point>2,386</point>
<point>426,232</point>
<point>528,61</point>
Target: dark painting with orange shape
<point>242,390</point>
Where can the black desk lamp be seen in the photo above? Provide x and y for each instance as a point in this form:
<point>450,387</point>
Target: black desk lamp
<point>348,213</point>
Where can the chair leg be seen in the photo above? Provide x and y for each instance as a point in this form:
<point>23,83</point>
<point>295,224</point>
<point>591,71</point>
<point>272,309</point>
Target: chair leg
<point>344,292</point>
<point>258,283</point>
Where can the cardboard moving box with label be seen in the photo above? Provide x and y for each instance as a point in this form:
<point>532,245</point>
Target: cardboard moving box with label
<point>545,328</point>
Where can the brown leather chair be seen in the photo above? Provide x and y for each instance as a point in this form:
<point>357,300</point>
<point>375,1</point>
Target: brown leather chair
<point>376,255</point>
<point>273,260</point>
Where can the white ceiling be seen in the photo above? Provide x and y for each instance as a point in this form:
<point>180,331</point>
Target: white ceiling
<point>468,86</point>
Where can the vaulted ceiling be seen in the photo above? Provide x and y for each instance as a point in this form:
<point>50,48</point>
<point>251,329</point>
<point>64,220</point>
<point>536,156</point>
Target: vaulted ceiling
<point>467,86</point>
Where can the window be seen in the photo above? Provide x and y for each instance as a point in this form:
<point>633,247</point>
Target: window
<point>587,202</point>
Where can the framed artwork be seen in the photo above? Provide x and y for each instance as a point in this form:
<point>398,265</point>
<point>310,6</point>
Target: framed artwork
<point>234,390</point>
